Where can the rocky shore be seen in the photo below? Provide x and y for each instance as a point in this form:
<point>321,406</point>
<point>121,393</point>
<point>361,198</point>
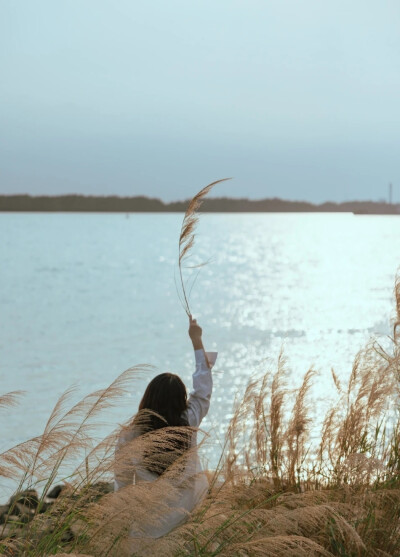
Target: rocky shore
<point>24,506</point>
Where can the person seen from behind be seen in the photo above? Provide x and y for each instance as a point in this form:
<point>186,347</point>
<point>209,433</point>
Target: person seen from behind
<point>159,446</point>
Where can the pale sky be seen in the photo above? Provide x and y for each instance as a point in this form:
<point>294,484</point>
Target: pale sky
<point>294,99</point>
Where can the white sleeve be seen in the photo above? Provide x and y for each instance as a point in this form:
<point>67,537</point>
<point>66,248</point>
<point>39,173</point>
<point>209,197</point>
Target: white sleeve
<point>123,469</point>
<point>199,398</point>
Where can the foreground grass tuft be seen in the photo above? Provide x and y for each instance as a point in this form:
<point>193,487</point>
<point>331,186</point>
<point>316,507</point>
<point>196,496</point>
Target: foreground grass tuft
<point>277,490</point>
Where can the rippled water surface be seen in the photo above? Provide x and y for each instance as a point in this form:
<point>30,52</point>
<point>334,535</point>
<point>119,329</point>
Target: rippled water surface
<point>85,296</point>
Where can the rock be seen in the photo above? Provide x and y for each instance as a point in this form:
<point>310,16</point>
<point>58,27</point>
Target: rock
<point>104,487</point>
<point>93,492</point>
<point>9,531</point>
<point>55,491</point>
<point>29,498</point>
<point>67,535</point>
<point>24,513</point>
<point>3,513</point>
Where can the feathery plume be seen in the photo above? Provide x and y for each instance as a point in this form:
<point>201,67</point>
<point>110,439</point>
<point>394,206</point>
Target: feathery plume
<point>187,235</point>
<point>10,399</point>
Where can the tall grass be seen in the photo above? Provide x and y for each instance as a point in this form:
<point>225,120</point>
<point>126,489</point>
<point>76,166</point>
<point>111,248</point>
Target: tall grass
<point>278,489</point>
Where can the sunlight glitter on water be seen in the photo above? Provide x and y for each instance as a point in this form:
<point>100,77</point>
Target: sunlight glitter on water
<point>84,296</point>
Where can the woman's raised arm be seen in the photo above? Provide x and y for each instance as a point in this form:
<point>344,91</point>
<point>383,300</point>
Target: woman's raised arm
<point>199,398</point>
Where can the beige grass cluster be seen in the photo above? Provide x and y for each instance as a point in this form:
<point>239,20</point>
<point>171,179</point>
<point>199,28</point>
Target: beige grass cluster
<point>276,491</point>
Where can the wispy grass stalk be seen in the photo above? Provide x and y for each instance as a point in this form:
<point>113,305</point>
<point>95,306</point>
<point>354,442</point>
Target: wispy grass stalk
<point>275,491</point>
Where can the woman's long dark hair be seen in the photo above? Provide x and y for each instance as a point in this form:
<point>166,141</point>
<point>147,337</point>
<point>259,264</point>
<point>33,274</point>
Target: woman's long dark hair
<point>161,408</point>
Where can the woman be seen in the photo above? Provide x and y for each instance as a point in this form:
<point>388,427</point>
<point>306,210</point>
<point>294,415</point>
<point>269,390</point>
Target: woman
<point>159,445</point>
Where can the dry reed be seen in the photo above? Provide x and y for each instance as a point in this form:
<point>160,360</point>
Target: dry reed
<point>187,236</point>
<point>275,491</point>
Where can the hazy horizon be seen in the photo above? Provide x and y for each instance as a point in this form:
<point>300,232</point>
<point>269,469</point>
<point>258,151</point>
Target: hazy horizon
<point>210,196</point>
<point>297,101</point>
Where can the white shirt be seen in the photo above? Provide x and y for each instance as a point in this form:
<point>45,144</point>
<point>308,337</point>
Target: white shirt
<point>182,498</point>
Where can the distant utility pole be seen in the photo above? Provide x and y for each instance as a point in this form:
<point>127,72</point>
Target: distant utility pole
<point>390,193</point>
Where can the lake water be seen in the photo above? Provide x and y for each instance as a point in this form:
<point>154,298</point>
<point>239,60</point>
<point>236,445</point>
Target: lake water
<point>85,296</point>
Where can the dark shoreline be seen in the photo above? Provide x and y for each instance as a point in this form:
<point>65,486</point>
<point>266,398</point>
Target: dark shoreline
<point>141,204</point>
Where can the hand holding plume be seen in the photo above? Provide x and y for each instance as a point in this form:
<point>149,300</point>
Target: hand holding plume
<point>186,242</point>
<point>195,332</point>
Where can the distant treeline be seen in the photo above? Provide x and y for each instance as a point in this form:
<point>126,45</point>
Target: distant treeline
<point>141,204</point>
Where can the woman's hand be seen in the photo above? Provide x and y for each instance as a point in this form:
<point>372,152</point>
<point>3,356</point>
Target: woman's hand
<point>195,332</point>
